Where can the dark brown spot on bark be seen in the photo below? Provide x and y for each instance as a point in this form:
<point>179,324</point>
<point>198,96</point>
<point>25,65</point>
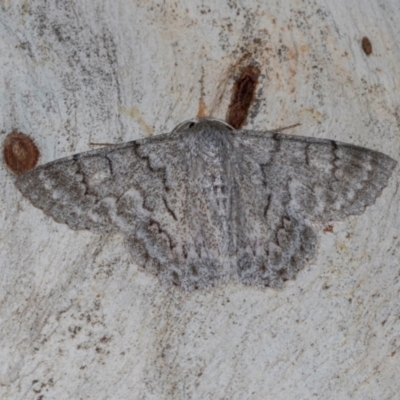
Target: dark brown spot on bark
<point>242,96</point>
<point>366,45</point>
<point>328,228</point>
<point>20,153</point>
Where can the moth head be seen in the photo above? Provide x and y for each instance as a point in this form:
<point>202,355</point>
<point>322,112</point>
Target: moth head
<point>201,124</point>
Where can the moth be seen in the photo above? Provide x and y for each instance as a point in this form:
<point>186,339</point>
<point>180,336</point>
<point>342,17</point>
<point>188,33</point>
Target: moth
<point>206,203</point>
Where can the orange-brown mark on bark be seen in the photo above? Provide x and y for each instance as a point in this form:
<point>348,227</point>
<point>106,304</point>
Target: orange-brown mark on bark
<point>366,45</point>
<point>20,153</point>
<point>202,109</point>
<point>242,96</point>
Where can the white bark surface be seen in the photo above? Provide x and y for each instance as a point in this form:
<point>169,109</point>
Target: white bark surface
<point>78,320</point>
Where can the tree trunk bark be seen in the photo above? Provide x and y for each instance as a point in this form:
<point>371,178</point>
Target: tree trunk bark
<point>79,319</point>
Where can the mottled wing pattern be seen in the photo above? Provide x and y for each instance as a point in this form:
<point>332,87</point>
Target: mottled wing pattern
<point>286,184</point>
<point>204,203</point>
